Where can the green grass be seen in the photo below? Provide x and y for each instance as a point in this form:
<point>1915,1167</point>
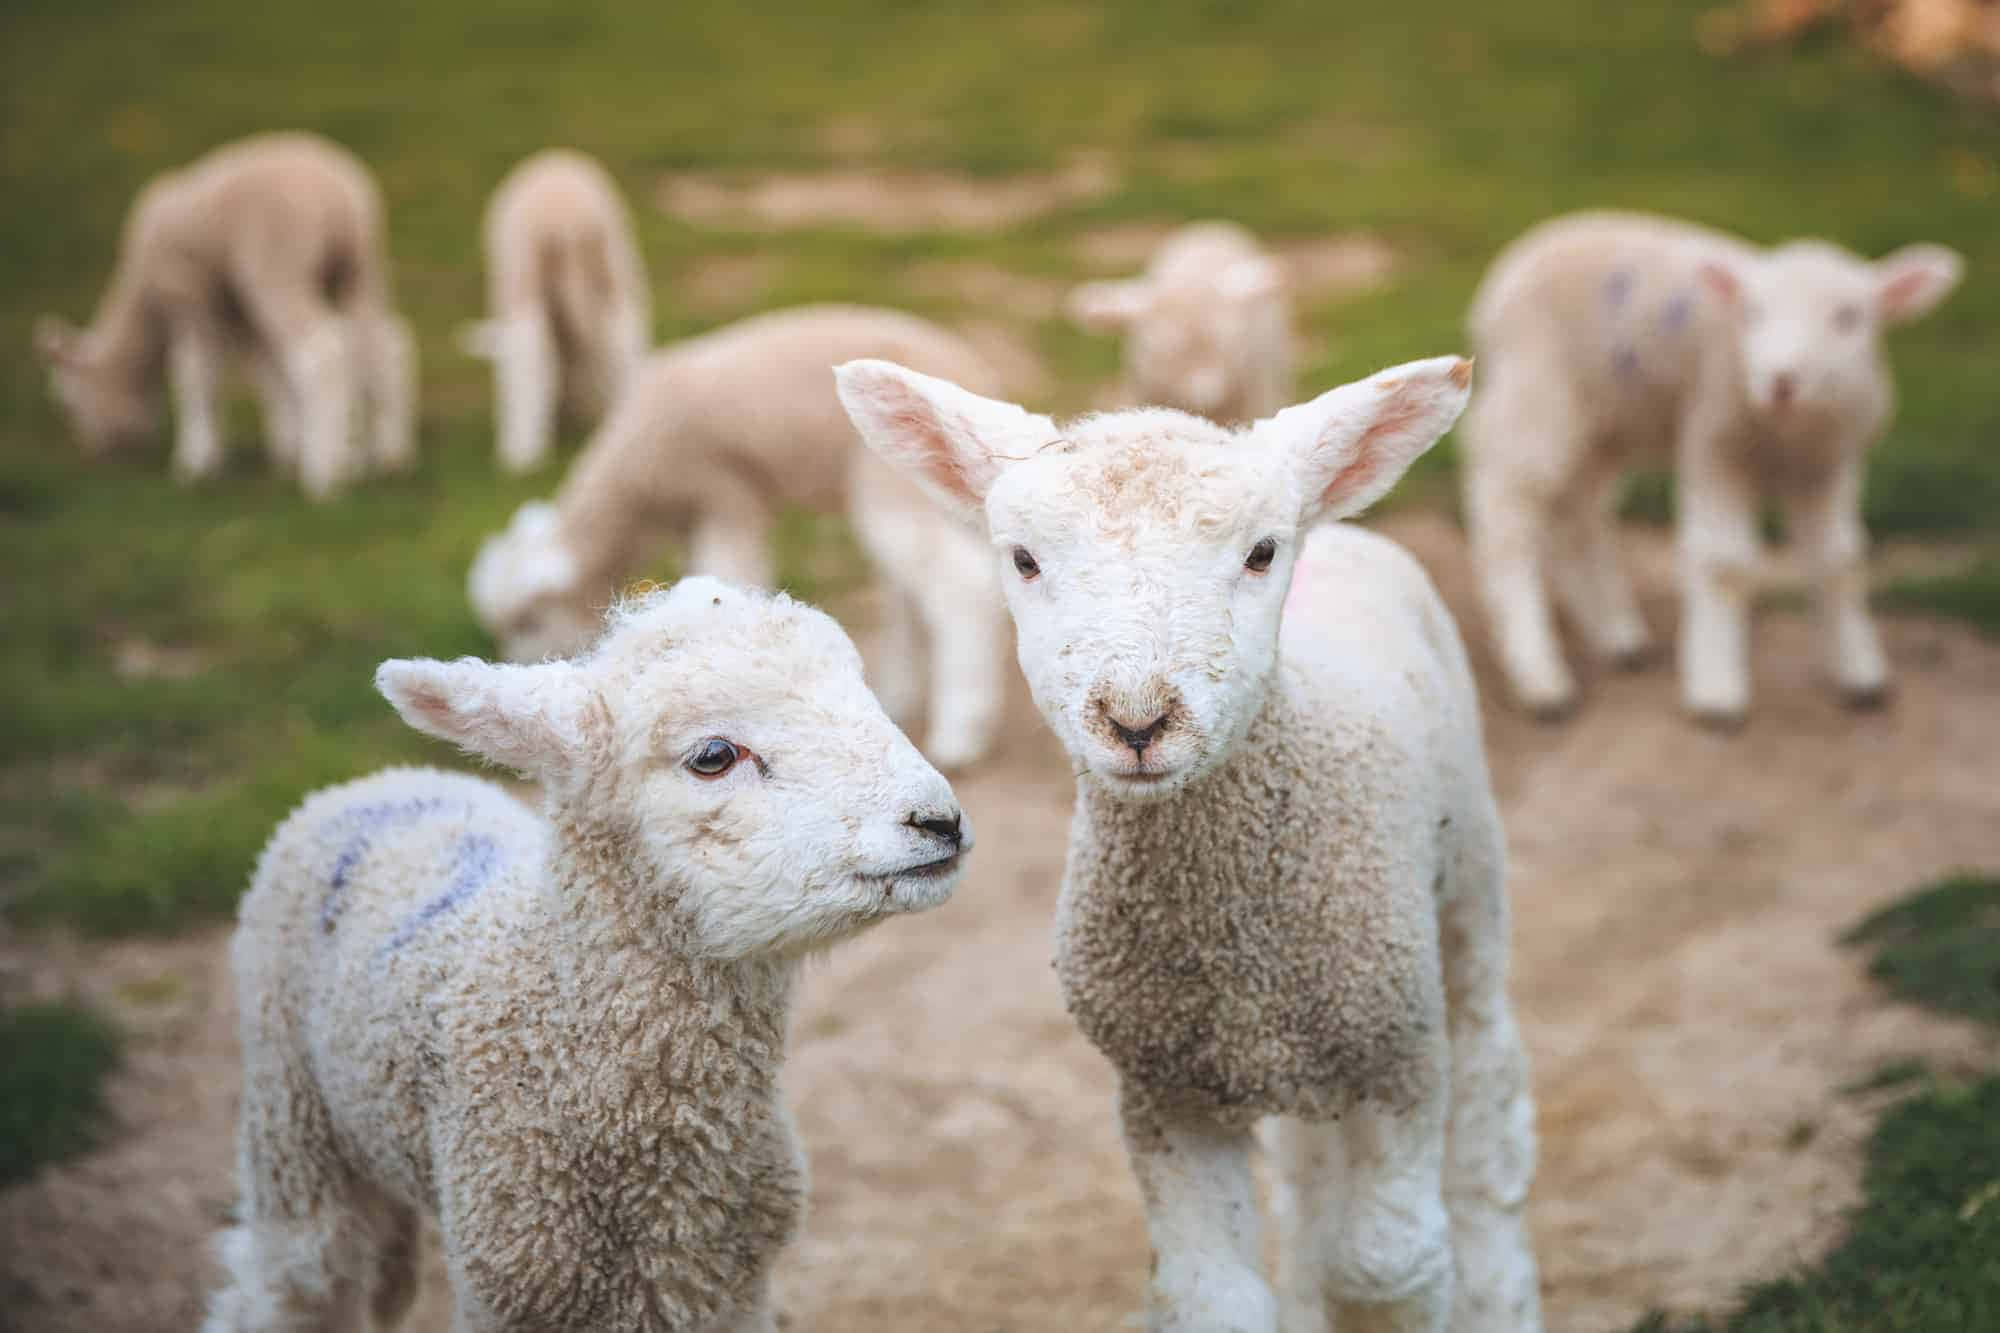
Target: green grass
<point>1971,594</point>
<point>134,802</point>
<point>1940,947</point>
<point>51,1084</point>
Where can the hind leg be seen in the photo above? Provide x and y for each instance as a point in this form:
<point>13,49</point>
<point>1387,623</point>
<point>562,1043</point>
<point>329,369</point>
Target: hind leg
<point>1590,578</point>
<point>1490,1161</point>
<point>387,362</point>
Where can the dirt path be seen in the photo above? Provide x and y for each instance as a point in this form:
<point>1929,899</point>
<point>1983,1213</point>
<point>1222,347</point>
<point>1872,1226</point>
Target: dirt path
<point>1676,896</point>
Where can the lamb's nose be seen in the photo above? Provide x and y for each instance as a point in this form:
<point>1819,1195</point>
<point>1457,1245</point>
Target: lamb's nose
<point>1783,387</point>
<point>945,824</point>
<point>1138,737</point>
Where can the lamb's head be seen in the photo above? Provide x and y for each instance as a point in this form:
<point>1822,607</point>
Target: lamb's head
<point>1146,554</point>
<point>107,407</point>
<point>1187,344</point>
<point>527,588</point>
<point>723,742</point>
<point>1810,317</point>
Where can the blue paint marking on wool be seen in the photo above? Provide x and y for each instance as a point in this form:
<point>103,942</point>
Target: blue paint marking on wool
<point>1677,313</point>
<point>1618,286</point>
<point>474,860</point>
<point>1625,362</point>
<point>361,824</point>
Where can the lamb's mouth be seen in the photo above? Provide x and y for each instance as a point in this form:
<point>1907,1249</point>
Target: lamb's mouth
<point>940,868</point>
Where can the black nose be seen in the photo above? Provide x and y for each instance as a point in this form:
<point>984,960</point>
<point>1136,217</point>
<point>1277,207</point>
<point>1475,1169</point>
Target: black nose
<point>944,826</point>
<point>1783,387</point>
<point>1138,737</point>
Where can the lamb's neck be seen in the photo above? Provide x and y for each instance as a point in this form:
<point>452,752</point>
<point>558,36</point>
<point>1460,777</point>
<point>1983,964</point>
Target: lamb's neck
<point>123,334</point>
<point>627,966</point>
<point>624,488</point>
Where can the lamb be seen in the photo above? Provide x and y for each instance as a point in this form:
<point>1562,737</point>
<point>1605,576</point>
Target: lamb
<point>570,312</point>
<point>714,436</point>
<point>266,252</point>
<point>1616,339</point>
<point>1207,328</point>
<point>562,1035</point>
<point>1285,892</point>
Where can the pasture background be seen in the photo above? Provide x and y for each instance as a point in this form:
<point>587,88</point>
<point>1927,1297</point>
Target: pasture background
<point>179,665</point>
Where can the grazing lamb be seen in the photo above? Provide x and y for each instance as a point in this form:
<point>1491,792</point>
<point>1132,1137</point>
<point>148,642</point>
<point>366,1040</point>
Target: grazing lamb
<point>715,435</point>
<point>1207,328</point>
<point>562,1035</point>
<point>266,252</point>
<point>570,312</point>
<point>1285,893</point>
<point>1611,340</point>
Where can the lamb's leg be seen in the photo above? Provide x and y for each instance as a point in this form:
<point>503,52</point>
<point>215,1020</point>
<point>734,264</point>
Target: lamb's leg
<point>1521,438</point>
<point>732,533</point>
<point>281,414</point>
<point>1719,553</point>
<point>388,361</point>
<point>194,365</point>
<point>1591,579</point>
<point>524,378</point>
<point>630,337</point>
<point>1202,1217</point>
<point>1490,1145</point>
<point>967,622</point>
<point>899,683</point>
<point>1835,545</point>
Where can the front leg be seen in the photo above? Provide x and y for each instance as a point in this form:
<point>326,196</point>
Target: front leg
<point>1719,556</point>
<point>194,365</point>
<point>1835,546</point>
<point>1202,1217</point>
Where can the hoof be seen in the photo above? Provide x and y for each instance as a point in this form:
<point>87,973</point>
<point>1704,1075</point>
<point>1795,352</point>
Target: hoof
<point>1867,698</point>
<point>1722,721</point>
<point>1551,710</point>
<point>1635,658</point>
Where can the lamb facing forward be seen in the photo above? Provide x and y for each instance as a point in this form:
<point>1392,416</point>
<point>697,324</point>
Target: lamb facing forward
<point>266,252</point>
<point>562,1035</point>
<point>1610,340</point>
<point>1207,328</point>
<point>1285,893</point>
<point>569,309</point>
<point>715,435</point>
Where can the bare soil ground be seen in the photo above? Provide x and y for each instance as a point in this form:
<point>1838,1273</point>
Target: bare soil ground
<point>879,198</point>
<point>1693,1023</point>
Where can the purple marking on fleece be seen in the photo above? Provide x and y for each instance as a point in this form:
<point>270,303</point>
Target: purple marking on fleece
<point>1675,317</point>
<point>473,863</point>
<point>361,823</point>
<point>1618,287</point>
<point>1625,362</point>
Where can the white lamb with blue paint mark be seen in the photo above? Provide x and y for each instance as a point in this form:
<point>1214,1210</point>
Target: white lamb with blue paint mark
<point>1611,340</point>
<point>562,1034</point>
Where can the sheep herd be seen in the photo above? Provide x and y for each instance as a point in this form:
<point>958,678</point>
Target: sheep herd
<point>1283,920</point>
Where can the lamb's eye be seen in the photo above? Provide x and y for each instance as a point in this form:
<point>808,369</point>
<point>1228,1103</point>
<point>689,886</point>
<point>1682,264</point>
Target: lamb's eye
<point>713,757</point>
<point>1261,555</point>
<point>1847,319</point>
<point>1024,564</point>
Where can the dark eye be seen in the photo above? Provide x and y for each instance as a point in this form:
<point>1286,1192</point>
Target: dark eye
<point>1847,319</point>
<point>1261,555</point>
<point>1024,564</point>
<point>713,757</point>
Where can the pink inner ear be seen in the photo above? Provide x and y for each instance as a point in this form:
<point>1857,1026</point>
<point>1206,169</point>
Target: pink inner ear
<point>934,455</point>
<point>1400,411</point>
<point>1719,280</point>
<point>1903,291</point>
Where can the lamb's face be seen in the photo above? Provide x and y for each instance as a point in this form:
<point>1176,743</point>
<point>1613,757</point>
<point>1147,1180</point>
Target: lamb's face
<point>1188,344</point>
<point>1810,317</point>
<point>763,780</point>
<point>1146,564</point>
<point>527,590</point>
<point>105,409</point>
<point>1146,554</point>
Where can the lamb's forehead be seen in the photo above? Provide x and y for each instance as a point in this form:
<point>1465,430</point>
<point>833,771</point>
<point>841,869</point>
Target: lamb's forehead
<point>1814,270</point>
<point>713,638</point>
<point>1153,466</point>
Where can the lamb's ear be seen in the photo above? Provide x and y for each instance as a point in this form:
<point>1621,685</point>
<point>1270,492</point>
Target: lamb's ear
<point>537,719</point>
<point>1721,280</point>
<point>1251,279</point>
<point>1354,443</point>
<point>1107,307</point>
<point>1911,281</point>
<point>55,339</point>
<point>952,441</point>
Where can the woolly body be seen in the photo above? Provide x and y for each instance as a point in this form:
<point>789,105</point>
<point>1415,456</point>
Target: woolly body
<point>569,309</point>
<point>1609,341</point>
<point>562,1034</point>
<point>268,253</point>
<point>717,435</point>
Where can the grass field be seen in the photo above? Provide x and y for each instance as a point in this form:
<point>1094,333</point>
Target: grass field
<point>180,665</point>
